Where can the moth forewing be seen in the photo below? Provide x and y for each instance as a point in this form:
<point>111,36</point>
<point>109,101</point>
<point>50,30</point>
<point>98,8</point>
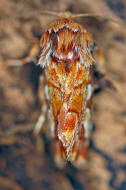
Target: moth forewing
<point>67,61</point>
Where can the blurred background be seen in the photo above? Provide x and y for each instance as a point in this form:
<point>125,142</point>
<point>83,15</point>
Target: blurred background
<point>25,162</point>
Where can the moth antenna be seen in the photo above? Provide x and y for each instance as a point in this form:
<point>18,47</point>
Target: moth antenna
<point>65,14</point>
<point>95,15</point>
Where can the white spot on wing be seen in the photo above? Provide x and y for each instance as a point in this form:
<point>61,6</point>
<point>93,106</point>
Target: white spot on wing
<point>70,55</point>
<point>88,123</point>
<point>89,91</point>
<point>46,92</point>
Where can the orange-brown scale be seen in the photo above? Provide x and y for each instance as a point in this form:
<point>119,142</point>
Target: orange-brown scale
<point>66,45</point>
<point>76,146</point>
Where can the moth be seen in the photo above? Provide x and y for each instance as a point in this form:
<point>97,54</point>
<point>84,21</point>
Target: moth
<point>67,60</point>
<point>68,83</point>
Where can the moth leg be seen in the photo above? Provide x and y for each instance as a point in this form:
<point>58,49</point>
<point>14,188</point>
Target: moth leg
<point>34,52</point>
<point>100,60</point>
<point>40,121</point>
<point>100,71</point>
<point>107,78</point>
<point>42,116</point>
